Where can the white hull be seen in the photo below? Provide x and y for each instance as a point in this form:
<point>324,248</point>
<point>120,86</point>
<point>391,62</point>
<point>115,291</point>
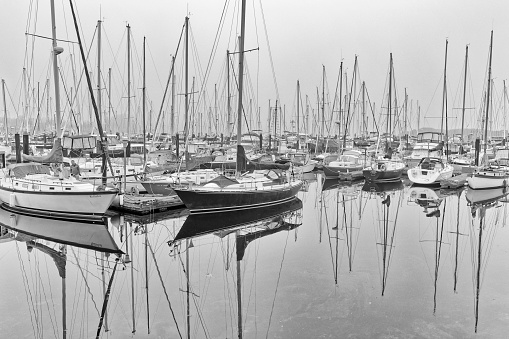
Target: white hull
<point>427,177</point>
<point>488,180</point>
<point>47,194</point>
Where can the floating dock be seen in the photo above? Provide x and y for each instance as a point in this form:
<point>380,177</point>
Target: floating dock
<point>146,203</point>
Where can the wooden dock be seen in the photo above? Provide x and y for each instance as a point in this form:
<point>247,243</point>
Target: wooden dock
<point>146,203</point>
<point>455,182</point>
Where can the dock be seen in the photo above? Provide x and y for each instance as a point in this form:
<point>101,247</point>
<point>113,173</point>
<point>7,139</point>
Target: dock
<point>146,203</point>
<point>455,182</point>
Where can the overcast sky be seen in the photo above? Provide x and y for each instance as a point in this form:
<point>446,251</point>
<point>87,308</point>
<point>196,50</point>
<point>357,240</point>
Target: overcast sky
<point>302,35</point>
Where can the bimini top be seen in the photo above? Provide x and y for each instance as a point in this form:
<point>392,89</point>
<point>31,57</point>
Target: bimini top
<point>24,169</point>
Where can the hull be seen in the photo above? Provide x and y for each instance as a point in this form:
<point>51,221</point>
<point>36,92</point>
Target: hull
<point>72,203</point>
<point>488,180</point>
<point>332,171</point>
<point>425,177</point>
<point>203,199</point>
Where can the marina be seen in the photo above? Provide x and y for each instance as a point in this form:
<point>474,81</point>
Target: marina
<point>253,169</point>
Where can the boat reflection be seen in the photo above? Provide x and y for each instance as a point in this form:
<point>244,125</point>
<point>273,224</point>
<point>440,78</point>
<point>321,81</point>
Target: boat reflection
<point>247,226</point>
<point>91,235</point>
<point>201,224</point>
<point>426,198</point>
<point>58,239</point>
<point>487,216</point>
<point>388,196</point>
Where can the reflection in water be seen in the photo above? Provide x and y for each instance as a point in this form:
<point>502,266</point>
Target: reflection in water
<point>487,214</point>
<point>240,274</point>
<point>341,207</point>
<point>247,226</point>
<point>57,235</point>
<point>387,218</point>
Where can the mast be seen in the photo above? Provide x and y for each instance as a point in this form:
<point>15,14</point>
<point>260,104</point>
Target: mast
<point>298,104</point>
<point>340,99</point>
<point>323,102</point>
<point>389,123</point>
<point>56,51</point>
<point>186,99</point>
<point>5,114</point>
<point>143,108</point>
<point>444,104</point>
<point>109,98</point>
<point>487,104</point>
<point>505,118</point>
<point>241,77</point>
<point>172,113</point>
<point>99,69</point>
<point>228,93</point>
<point>464,95</point>
<point>128,84</point>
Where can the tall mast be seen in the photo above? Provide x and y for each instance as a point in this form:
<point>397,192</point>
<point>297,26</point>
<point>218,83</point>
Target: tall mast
<point>487,104</point>
<point>364,124</point>
<point>109,98</point>
<point>172,113</point>
<point>241,71</point>
<point>5,114</point>
<point>143,108</point>
<point>99,70</point>
<point>464,95</point>
<point>340,99</point>
<point>186,80</point>
<point>505,118</point>
<point>444,102</point>
<point>228,127</point>
<point>128,82</point>
<point>56,51</point>
<point>298,104</point>
<point>390,97</point>
<point>323,101</point>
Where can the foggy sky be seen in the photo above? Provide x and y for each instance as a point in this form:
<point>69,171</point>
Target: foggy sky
<point>302,35</point>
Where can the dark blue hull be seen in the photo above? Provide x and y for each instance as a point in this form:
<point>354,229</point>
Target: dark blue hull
<point>200,201</point>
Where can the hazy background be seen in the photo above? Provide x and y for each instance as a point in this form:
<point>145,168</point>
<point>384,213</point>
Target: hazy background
<point>302,36</point>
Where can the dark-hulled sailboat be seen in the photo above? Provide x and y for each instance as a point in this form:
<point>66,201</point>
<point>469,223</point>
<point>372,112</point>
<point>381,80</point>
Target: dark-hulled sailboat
<point>249,189</point>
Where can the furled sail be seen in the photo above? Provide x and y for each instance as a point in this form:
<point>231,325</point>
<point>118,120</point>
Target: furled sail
<point>54,156</point>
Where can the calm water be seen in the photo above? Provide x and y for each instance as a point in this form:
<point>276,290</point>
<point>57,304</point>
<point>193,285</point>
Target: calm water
<point>349,262</point>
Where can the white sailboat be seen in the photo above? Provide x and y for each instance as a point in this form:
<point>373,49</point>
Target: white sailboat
<point>39,188</point>
<point>488,177</point>
<point>430,171</point>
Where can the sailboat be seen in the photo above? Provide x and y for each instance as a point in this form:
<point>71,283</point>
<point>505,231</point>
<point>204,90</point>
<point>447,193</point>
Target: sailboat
<point>386,169</point>
<point>432,170</point>
<point>487,176</point>
<point>246,190</point>
<point>38,188</point>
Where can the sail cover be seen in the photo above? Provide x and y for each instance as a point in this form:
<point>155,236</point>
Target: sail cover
<point>55,155</point>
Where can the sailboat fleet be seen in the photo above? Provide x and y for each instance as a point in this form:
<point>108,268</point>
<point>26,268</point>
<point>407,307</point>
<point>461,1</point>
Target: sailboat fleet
<point>224,176</point>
